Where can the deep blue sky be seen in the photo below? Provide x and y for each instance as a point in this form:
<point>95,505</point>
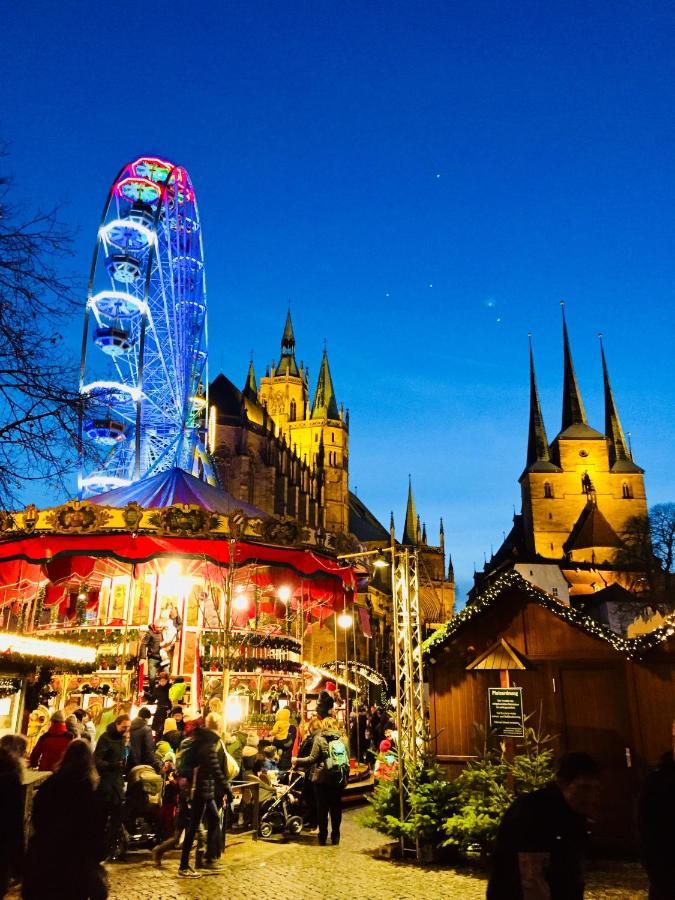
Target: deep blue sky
<point>425,180</point>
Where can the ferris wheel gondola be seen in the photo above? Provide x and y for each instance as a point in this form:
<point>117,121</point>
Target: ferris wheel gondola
<point>143,373</point>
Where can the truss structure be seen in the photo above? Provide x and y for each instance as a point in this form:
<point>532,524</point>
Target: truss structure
<point>410,710</point>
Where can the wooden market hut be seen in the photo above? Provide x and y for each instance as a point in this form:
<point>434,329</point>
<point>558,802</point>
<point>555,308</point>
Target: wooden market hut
<point>611,696</point>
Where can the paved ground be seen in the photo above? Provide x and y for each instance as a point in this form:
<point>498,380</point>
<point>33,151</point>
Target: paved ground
<point>279,870</point>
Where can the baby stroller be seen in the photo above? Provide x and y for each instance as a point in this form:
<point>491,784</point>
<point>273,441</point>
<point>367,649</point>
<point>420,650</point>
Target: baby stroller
<point>141,814</point>
<point>282,812</point>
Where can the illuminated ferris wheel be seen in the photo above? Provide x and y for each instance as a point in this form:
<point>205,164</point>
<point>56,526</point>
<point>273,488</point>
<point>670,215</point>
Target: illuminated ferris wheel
<point>144,350</point>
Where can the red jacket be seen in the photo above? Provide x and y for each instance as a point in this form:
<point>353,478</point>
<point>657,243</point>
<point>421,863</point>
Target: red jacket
<point>48,751</point>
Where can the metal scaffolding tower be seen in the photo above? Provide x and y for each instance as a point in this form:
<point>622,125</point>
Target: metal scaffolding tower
<point>410,711</point>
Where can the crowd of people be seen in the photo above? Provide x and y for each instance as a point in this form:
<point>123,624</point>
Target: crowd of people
<point>189,761</point>
<point>81,805</point>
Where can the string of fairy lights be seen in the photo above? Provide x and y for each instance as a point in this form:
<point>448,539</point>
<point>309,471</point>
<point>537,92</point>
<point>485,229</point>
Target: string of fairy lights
<point>633,648</point>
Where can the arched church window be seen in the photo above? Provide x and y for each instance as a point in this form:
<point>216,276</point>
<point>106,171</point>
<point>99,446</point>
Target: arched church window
<point>548,490</point>
<point>293,412</point>
<point>626,491</point>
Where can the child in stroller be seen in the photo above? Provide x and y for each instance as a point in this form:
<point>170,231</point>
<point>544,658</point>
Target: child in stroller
<point>142,805</point>
<point>282,810</point>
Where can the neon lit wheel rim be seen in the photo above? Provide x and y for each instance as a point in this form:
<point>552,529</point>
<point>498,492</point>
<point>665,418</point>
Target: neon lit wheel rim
<point>144,349</point>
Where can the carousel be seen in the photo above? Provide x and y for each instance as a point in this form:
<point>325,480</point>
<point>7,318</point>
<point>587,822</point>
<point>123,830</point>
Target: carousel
<point>234,595</point>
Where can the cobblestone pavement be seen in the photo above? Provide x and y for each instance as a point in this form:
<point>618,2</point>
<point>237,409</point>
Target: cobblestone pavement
<point>299,868</point>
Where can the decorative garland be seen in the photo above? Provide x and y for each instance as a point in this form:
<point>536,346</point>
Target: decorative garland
<point>214,637</point>
<point>9,686</point>
<point>214,663</point>
<point>632,648</point>
<point>92,637</point>
<point>363,671</point>
<point>39,606</point>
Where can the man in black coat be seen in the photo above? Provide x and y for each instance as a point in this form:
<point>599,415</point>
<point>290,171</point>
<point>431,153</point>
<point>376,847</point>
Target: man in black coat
<point>142,741</point>
<point>210,786</point>
<point>539,851</point>
<point>150,647</point>
<point>110,757</point>
<point>657,827</point>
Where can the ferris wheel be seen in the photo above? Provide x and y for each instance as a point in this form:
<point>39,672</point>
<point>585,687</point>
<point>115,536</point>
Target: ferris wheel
<point>143,374</point>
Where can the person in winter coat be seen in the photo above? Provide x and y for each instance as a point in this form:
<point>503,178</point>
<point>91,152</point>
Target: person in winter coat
<point>283,738</point>
<point>162,688</point>
<point>328,778</point>
<point>67,845</point>
<point>49,750</point>
<point>210,782</point>
<point>110,757</point>
<point>326,700</point>
<point>171,733</point>
<point>150,648</point>
<point>540,844</point>
<point>11,809</point>
<point>87,726</point>
<point>177,713</point>
<point>141,741</point>
<point>308,796</point>
<point>657,826</point>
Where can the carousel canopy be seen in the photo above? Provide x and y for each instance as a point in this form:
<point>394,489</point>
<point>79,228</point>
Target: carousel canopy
<point>176,486</point>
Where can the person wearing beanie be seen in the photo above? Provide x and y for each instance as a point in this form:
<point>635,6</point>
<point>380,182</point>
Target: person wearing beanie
<point>283,738</point>
<point>171,734</point>
<point>326,701</point>
<point>141,742</point>
<point>49,750</point>
<point>386,764</point>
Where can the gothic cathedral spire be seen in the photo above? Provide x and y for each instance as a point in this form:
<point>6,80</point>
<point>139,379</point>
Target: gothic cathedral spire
<point>287,364</point>
<point>537,442</point>
<point>616,442</point>
<point>573,408</point>
<point>325,405</point>
<point>410,527</point>
<point>251,386</point>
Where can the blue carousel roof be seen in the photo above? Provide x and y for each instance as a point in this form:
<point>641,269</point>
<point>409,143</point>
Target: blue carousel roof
<point>176,486</point>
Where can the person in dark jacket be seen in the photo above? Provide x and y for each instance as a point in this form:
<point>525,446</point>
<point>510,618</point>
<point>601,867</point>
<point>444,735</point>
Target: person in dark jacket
<point>329,783</point>
<point>326,700</point>
<point>49,750</point>
<point>210,782</point>
<point>67,845</point>
<point>141,740</point>
<point>539,850</point>
<point>171,734</point>
<point>110,757</point>
<point>657,827</point>
<point>179,716</point>
<point>162,688</point>
<point>312,728</point>
<point>11,808</point>
<point>150,647</point>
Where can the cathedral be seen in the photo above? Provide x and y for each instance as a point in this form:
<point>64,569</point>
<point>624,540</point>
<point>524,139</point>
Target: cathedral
<point>286,451</point>
<point>578,493</point>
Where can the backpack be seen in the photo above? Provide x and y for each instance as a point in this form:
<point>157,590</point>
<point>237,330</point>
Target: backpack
<point>186,758</point>
<point>337,762</point>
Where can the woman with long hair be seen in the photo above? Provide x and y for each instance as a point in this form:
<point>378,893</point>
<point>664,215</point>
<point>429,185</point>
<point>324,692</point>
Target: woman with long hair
<point>12,755</point>
<point>67,846</point>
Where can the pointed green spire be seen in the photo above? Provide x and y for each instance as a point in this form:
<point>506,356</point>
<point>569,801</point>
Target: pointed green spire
<point>410,527</point>
<point>251,386</point>
<point>287,364</point>
<point>613,430</point>
<point>573,408</point>
<point>325,405</point>
<point>537,442</point>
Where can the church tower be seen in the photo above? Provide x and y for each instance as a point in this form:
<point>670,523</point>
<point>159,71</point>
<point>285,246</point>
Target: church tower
<point>284,389</point>
<point>579,491</point>
<point>323,437</point>
<point>318,434</point>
